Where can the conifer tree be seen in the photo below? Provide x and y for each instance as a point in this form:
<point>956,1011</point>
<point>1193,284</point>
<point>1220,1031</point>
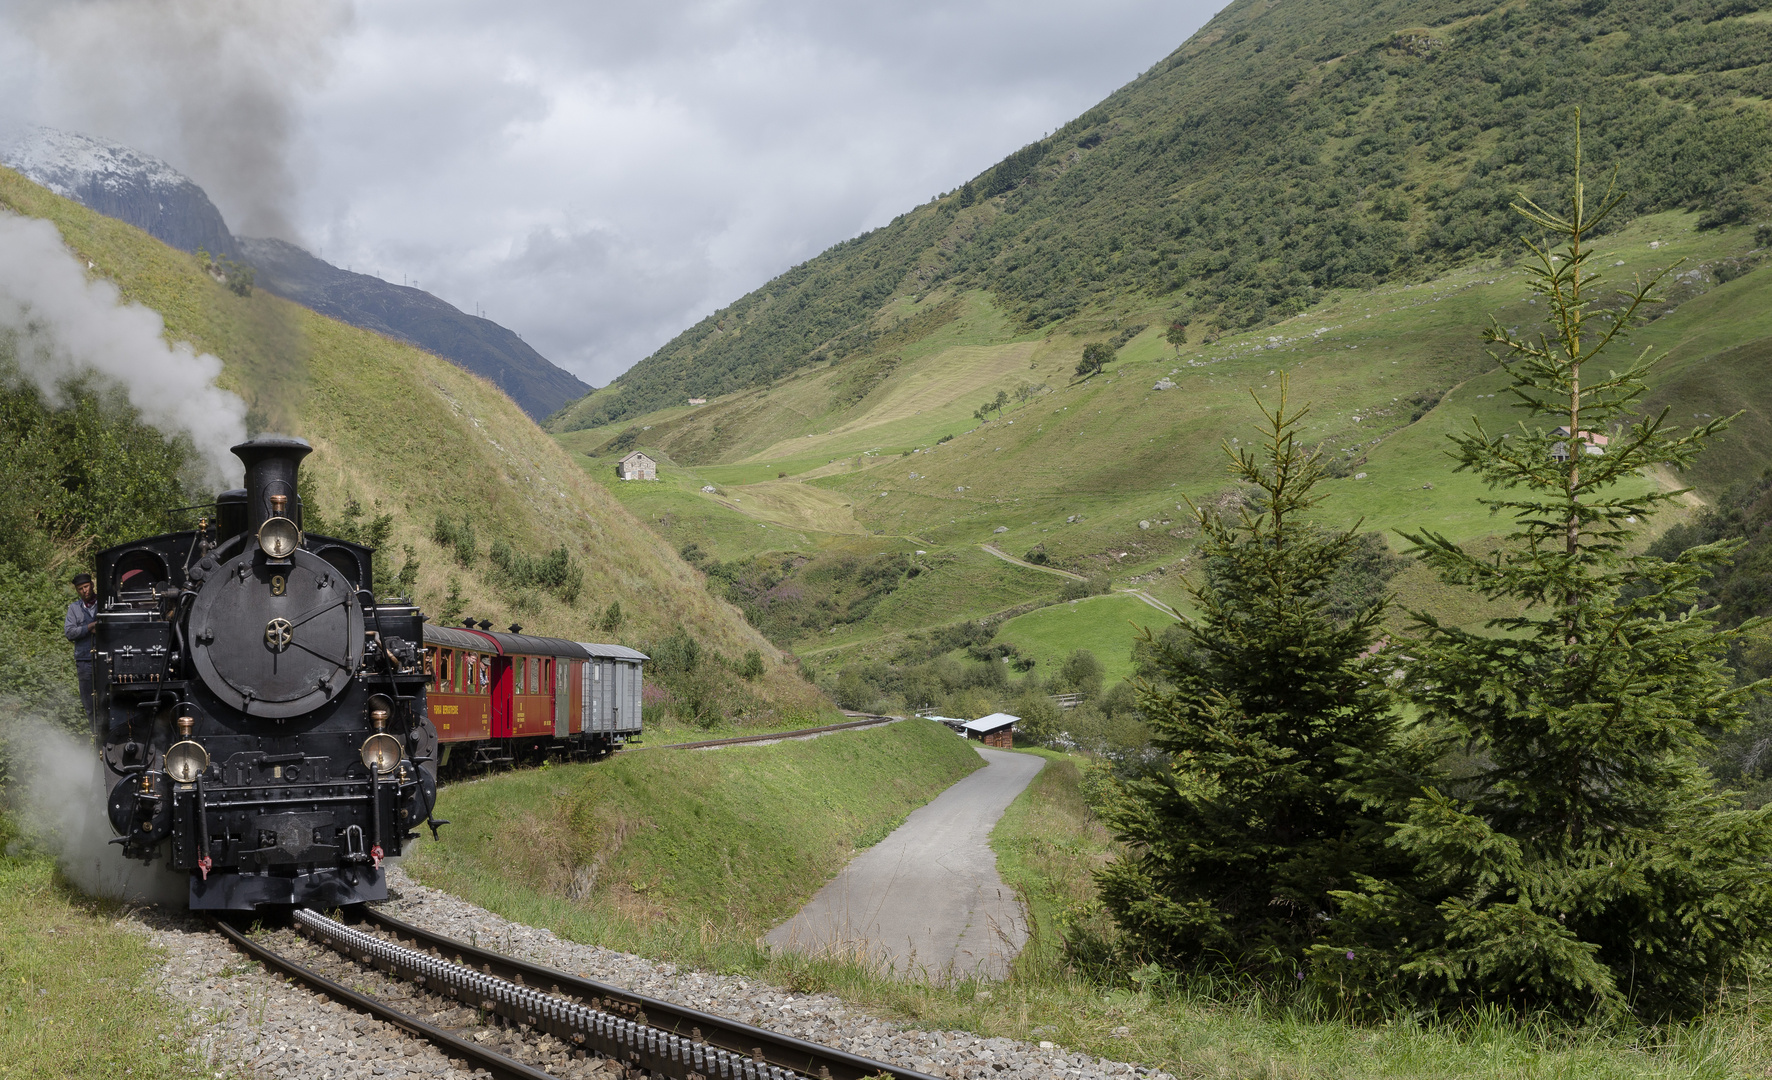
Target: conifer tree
<point>1268,714</point>
<point>1581,859</point>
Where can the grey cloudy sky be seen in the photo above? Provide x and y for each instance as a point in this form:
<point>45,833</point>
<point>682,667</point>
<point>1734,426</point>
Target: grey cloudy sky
<point>595,175</point>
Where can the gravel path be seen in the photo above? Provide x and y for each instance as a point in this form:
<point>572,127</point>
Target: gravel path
<point>249,1024</point>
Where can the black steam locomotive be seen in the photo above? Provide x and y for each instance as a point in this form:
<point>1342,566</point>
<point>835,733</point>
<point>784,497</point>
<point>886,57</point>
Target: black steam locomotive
<point>263,712</point>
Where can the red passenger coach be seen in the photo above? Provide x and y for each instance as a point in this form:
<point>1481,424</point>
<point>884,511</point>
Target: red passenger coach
<point>497,698</point>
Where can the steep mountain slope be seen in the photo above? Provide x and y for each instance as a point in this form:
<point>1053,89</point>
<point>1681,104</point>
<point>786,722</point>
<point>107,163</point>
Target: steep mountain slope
<point>870,459</point>
<point>1285,152</point>
<point>121,183</point>
<point>478,345</point>
<point>151,195</point>
<point>404,434</point>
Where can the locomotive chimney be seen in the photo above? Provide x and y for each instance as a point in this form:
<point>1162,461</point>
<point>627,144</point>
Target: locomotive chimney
<point>272,462</point>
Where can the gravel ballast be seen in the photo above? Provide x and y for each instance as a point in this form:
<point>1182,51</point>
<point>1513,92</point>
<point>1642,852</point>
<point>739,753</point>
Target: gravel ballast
<point>249,1023</point>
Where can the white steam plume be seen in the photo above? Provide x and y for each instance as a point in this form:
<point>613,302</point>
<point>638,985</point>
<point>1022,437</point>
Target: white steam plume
<point>64,787</point>
<point>211,86</point>
<point>63,324</point>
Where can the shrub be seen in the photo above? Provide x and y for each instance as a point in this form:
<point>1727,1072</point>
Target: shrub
<point>1094,585</point>
<point>453,604</point>
<point>1081,673</point>
<point>557,571</point>
<point>458,537</point>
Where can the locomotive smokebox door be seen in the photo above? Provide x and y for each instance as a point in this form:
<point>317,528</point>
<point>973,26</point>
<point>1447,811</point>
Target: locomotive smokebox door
<point>277,640</point>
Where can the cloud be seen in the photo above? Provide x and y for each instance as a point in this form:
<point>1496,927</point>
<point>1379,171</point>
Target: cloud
<point>598,176</point>
<point>595,175</point>
<point>214,87</point>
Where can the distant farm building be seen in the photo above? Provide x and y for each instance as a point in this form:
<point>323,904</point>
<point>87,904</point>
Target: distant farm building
<point>698,401</point>
<point>636,466</point>
<point>997,729</point>
<point>1596,443</point>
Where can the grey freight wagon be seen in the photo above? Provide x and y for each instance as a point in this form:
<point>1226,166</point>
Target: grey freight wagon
<point>611,684</point>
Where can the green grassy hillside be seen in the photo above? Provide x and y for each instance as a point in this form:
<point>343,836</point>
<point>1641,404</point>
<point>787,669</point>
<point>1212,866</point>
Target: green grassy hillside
<point>673,851</point>
<point>1283,153</point>
<point>1096,474</point>
<point>1319,189</point>
<point>409,437</point>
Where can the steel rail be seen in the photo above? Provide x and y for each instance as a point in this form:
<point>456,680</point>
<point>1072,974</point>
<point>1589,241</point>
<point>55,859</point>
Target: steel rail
<point>798,1056</point>
<point>497,1064</point>
<point>777,736</point>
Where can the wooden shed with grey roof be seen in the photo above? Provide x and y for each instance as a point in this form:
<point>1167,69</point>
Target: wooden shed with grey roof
<point>997,729</point>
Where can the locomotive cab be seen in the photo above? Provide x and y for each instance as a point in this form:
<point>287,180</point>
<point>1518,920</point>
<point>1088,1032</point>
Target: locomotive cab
<point>262,712</point>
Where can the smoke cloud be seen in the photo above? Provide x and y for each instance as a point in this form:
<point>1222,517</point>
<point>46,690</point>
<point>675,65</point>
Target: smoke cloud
<point>63,325</point>
<point>212,86</point>
<point>63,787</point>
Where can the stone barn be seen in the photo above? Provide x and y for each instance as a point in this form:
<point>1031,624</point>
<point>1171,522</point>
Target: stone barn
<point>636,466</point>
<point>997,729</point>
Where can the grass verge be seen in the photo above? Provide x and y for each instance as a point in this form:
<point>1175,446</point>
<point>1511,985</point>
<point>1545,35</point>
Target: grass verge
<point>742,818</point>
<point>77,994</point>
<point>685,853</point>
<point>1049,842</point>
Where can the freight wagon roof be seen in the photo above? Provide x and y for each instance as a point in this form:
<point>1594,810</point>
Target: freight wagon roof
<point>613,652</point>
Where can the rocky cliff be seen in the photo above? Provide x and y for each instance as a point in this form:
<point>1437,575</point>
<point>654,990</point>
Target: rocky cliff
<point>121,183</point>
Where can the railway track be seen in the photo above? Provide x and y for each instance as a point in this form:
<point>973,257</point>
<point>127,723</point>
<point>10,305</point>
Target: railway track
<point>522,1021</point>
<point>868,720</point>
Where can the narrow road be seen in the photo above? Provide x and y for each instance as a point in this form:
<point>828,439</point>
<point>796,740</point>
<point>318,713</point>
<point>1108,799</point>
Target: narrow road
<point>927,900</point>
<point>1156,603</point>
<point>1140,593</point>
<point>1008,558</point>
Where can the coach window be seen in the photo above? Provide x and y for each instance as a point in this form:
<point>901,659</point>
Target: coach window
<point>431,665</point>
<point>444,670</point>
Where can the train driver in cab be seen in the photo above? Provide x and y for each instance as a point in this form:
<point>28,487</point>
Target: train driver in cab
<point>77,627</point>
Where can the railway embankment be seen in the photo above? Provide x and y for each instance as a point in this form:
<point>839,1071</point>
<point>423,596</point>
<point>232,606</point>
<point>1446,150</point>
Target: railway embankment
<point>671,854</point>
